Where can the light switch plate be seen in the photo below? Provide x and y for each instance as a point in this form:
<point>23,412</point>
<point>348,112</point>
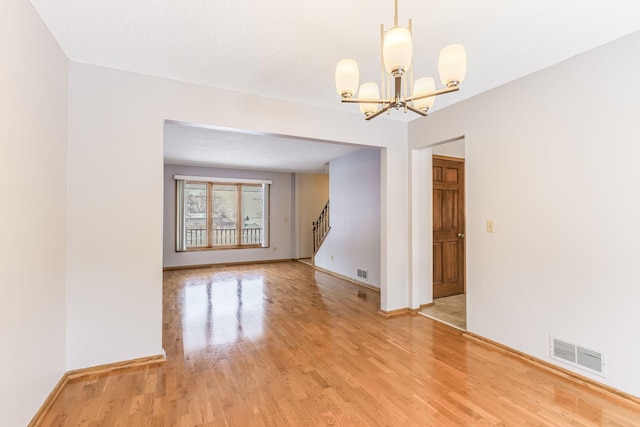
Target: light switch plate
<point>491,226</point>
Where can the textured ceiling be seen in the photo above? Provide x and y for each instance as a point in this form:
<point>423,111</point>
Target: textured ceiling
<point>288,49</point>
<point>207,146</point>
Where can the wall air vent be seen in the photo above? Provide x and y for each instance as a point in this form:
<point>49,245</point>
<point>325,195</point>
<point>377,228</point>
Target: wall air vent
<point>590,359</point>
<point>576,355</point>
<point>564,351</point>
<point>363,274</point>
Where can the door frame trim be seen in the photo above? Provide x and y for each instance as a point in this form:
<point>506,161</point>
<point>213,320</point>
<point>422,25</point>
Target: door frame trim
<point>447,158</point>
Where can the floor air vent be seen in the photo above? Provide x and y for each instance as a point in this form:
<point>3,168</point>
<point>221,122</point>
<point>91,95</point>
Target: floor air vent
<point>581,357</point>
<point>363,274</point>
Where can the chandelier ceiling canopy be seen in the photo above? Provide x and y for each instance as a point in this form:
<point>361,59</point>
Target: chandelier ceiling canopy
<point>396,57</point>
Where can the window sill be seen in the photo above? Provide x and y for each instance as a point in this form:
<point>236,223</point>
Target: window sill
<point>218,248</point>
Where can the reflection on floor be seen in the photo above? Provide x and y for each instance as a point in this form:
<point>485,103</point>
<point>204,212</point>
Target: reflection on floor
<point>450,310</point>
<point>285,345</point>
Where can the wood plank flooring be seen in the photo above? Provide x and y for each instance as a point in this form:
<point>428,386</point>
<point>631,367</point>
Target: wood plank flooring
<point>283,345</point>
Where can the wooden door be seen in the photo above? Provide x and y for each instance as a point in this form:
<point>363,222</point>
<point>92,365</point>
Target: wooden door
<point>448,226</point>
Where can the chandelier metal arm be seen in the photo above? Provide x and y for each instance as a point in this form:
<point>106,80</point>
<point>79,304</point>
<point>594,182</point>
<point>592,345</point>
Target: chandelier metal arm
<point>415,110</point>
<point>365,101</point>
<point>434,93</point>
<point>397,101</point>
<point>407,99</point>
<point>377,113</point>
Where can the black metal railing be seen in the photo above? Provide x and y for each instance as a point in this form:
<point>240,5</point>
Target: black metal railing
<point>197,237</point>
<point>251,235</point>
<point>321,227</point>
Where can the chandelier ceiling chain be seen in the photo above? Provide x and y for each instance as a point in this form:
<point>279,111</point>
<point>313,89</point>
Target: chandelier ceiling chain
<point>397,55</point>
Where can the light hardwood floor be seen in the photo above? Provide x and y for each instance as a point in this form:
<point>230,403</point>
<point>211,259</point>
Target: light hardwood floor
<point>280,344</point>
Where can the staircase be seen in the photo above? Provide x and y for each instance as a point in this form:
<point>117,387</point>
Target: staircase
<point>321,228</point>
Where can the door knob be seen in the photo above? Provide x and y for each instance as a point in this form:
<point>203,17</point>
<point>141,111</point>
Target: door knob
<point>461,235</point>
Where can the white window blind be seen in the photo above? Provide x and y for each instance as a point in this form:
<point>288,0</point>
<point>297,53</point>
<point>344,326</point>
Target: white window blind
<point>221,180</point>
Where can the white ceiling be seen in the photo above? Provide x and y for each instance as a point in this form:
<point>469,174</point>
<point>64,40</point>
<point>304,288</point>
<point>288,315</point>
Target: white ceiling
<point>288,49</point>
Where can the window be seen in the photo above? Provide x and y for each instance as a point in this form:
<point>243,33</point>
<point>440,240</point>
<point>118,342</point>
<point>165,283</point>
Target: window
<point>196,214</point>
<point>215,213</point>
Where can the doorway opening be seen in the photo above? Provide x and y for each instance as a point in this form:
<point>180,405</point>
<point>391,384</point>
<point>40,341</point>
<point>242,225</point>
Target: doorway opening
<point>448,228</point>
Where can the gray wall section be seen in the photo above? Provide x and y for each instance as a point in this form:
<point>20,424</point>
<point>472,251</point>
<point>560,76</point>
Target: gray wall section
<point>354,240</point>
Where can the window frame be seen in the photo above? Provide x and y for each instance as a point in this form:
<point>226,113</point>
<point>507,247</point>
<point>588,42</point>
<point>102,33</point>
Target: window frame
<point>181,228</point>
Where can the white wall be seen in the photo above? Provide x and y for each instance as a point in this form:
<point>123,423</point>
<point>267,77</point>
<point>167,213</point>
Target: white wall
<point>281,224</point>
<point>33,159</point>
<point>394,221</point>
<point>354,240</point>
<point>421,234</point>
<point>450,149</point>
<point>554,163</point>
<point>116,167</point>
<point>312,193</point>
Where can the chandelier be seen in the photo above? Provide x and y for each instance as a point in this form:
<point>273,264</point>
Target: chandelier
<point>397,52</point>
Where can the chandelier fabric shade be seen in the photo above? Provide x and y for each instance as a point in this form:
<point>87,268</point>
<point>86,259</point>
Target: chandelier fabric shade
<point>397,58</point>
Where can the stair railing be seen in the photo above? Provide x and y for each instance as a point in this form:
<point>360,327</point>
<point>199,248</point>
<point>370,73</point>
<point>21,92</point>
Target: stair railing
<point>321,227</point>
